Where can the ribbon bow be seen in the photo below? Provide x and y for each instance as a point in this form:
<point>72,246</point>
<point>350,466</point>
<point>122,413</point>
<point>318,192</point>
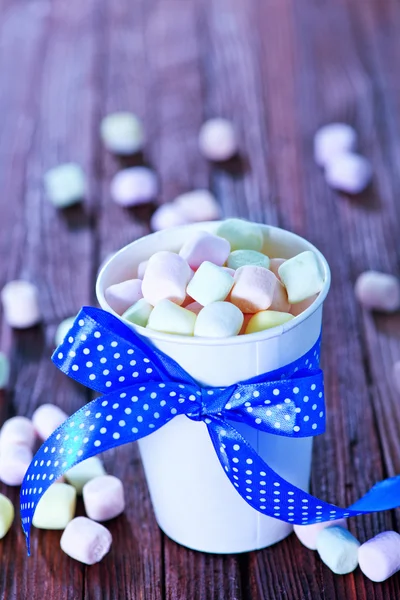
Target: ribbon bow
<point>143,389</point>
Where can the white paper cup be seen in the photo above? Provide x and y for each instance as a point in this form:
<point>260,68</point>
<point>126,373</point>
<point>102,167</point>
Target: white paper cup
<point>194,502</point>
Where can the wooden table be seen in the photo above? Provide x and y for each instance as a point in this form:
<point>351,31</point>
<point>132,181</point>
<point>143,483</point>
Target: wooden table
<point>278,69</point>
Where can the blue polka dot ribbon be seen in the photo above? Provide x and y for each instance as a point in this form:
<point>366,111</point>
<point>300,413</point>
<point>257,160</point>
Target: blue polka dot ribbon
<point>143,389</point>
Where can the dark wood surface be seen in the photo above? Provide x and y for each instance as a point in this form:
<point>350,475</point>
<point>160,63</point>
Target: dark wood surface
<point>278,69</point>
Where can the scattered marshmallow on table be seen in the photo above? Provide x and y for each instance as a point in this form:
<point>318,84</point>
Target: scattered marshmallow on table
<point>198,205</point>
<point>240,258</point>
<point>217,139</point>
<point>134,186</point>
<point>14,462</point>
<point>6,515</point>
<point>301,276</point>
<point>18,430</point>
<point>21,304</point>
<point>308,534</point>
<point>4,370</point>
<point>103,498</point>
<point>379,558</point>
<point>254,289</point>
<point>122,133</point>
<point>86,540</point>
<point>56,508</point>
<point>168,317</point>
<point>338,549</point>
<point>331,140</point>
<point>378,291</point>
<point>218,320</point>
<point>166,278</point>
<point>65,185</point>
<point>138,313</point>
<point>62,330</point>
<point>242,235</point>
<point>274,265</point>
<point>84,471</point>
<point>210,284</point>
<point>267,319</point>
<point>47,418</point>
<point>121,296</point>
<point>202,246</point>
<point>349,173</point>
<point>167,215</point>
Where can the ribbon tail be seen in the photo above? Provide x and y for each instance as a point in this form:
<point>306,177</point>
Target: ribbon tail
<point>272,495</point>
<point>107,422</point>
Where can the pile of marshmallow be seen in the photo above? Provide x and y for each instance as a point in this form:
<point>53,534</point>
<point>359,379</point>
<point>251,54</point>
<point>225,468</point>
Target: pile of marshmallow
<point>83,538</point>
<point>335,150</point>
<point>218,285</point>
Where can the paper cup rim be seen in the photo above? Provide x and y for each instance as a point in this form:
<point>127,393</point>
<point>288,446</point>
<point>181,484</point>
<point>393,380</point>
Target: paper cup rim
<point>233,340</point>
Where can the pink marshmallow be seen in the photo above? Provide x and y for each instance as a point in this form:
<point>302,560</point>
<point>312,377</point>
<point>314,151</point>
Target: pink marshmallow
<point>379,558</point>
<point>134,186</point>
<point>280,300</point>
<point>166,278</point>
<point>194,307</point>
<point>18,430</point>
<point>378,291</point>
<point>85,540</point>
<point>166,216</point>
<point>203,246</point>
<point>47,418</point>
<point>299,307</point>
<point>142,268</point>
<point>254,289</point>
<point>197,206</point>
<point>121,296</point>
<point>308,534</point>
<point>103,498</point>
<point>274,265</point>
<point>14,462</point>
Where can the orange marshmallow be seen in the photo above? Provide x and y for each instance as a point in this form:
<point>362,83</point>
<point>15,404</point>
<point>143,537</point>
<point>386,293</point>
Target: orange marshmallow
<point>280,300</point>
<point>274,265</point>
<point>253,289</point>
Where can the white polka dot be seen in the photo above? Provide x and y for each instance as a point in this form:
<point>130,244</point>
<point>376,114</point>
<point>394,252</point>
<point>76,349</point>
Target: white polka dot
<point>135,430</point>
<point>296,390</point>
<point>103,360</point>
<point>114,344</point>
<point>108,384</point>
<point>321,414</point>
<point>83,337</point>
<point>60,355</point>
<point>314,407</point>
<point>249,461</point>
<point>235,459</point>
<point>156,415</point>
<point>296,428</point>
<point>306,418</point>
<point>121,379</point>
<point>236,447</point>
<point>153,395</point>
<point>173,411</point>
<point>97,334</point>
<point>70,339</point>
<point>314,426</point>
<point>103,430</point>
<point>256,394</point>
<point>116,435</point>
<point>277,425</point>
<point>130,351</point>
<point>163,403</point>
<point>119,367</point>
<point>97,443</point>
<point>149,370</point>
<point>313,386</point>
<point>268,413</point>
<point>139,419</point>
<point>89,364</point>
<point>100,347</point>
<point>135,374</point>
<point>306,399</point>
<point>287,417</point>
<point>145,407</point>
<point>287,400</point>
<point>106,372</point>
<point>258,421</point>
<point>121,423</point>
<point>92,376</point>
<point>86,351</point>
<point>210,392</point>
<point>275,392</point>
<point>75,367</point>
<point>81,322</point>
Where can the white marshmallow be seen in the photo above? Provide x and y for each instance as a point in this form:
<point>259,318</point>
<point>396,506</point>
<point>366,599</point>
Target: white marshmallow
<point>166,216</point>
<point>122,133</point>
<point>302,276</point>
<point>218,320</point>
<point>65,185</point>
<point>47,418</point>
<point>379,558</point>
<point>168,317</point>
<point>378,291</point>
<point>6,515</point>
<point>349,173</point>
<point>166,278</point>
<point>138,313</point>
<point>134,186</point>
<point>308,534</point>
<point>104,498</point>
<point>18,430</point>
<point>84,471</point>
<point>121,296</point>
<point>20,304</point>
<point>210,284</point>
<point>197,206</point>
<point>62,330</point>
<point>141,269</point>
<point>331,140</point>
<point>203,246</point>
<point>86,540</point>
<point>14,462</point>
<point>56,508</point>
<point>338,549</point>
<point>4,371</point>
<point>217,139</point>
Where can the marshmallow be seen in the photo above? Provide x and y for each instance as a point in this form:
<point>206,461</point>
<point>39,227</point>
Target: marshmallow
<point>62,330</point>
<point>349,173</point>
<point>218,320</point>
<point>122,133</point>
<point>202,246</point>
<point>254,289</point>
<point>195,307</point>
<point>47,418</point>
<point>301,276</point>
<point>103,498</point>
<point>134,186</point>
<point>379,558</point>
<point>230,271</point>
<point>331,140</point>
<point>308,534</point>
<point>338,549</point>
<point>121,296</point>
<point>280,300</point>
<point>246,319</point>
<point>266,319</point>
<point>378,291</point>
<point>217,139</point>
<point>166,278</point>
<point>56,508</point>
<point>210,284</point>
<point>86,540</point>
<point>141,269</point>
<point>6,515</point>
<point>297,309</point>
<point>242,235</point>
<point>240,258</point>
<point>166,216</point>
<point>20,304</point>
<point>4,370</point>
<point>65,185</point>
<point>139,313</point>
<point>18,430</point>
<point>168,317</point>
<point>197,206</point>
<point>274,265</point>
<point>14,462</point>
<point>84,471</point>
